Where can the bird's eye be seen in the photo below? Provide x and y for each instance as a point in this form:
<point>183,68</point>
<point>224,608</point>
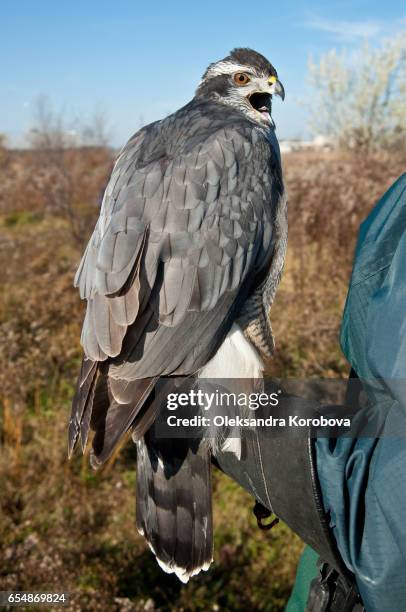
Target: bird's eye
<point>241,78</point>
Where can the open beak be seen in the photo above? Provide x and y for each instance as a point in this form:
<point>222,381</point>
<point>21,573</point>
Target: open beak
<point>261,101</point>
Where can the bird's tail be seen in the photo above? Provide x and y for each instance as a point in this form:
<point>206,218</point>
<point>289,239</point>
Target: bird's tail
<point>109,407</point>
<point>174,507</point>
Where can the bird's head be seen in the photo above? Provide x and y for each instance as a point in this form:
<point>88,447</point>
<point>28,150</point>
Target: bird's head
<point>245,80</point>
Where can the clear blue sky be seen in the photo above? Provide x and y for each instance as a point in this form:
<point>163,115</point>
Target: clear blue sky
<point>138,61</point>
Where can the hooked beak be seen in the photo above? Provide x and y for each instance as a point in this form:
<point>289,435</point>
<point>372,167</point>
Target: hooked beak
<point>278,90</point>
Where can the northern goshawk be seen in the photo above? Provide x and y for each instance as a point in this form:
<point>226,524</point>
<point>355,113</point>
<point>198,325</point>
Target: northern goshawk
<point>179,276</point>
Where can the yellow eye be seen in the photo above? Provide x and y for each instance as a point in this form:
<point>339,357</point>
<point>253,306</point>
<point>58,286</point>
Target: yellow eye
<point>241,78</point>
<point>272,80</point>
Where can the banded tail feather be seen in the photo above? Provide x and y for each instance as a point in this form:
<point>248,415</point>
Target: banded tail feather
<point>174,505</point>
<point>173,501</point>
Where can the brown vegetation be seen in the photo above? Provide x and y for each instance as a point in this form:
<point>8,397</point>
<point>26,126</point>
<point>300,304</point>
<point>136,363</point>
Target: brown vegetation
<point>64,527</point>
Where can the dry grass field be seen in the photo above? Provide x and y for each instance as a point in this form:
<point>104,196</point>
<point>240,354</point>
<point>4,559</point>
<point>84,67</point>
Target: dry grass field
<point>64,527</point>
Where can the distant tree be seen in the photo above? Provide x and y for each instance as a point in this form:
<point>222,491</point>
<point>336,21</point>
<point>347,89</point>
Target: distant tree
<point>4,154</point>
<point>69,165</point>
<point>360,98</point>
<point>51,130</point>
<point>95,133</point>
<point>48,131</point>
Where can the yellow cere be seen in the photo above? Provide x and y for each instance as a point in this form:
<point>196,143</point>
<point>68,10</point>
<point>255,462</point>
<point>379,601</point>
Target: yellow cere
<point>272,80</point>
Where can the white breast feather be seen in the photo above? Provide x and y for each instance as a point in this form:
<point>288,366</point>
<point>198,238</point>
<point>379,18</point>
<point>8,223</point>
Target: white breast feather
<point>236,358</point>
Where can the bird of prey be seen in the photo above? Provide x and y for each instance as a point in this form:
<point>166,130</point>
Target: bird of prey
<point>179,276</point>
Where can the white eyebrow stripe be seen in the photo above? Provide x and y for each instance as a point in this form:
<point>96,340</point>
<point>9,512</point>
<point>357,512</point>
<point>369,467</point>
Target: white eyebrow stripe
<point>226,68</point>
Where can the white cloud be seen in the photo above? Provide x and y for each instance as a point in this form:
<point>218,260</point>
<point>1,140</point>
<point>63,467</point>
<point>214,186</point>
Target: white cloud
<point>346,30</point>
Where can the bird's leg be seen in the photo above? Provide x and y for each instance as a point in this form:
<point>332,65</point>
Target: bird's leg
<point>259,333</point>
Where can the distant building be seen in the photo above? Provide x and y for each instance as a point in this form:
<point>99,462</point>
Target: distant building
<point>319,142</point>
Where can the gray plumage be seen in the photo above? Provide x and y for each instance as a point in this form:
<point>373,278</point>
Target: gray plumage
<point>191,238</point>
<point>174,517</point>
